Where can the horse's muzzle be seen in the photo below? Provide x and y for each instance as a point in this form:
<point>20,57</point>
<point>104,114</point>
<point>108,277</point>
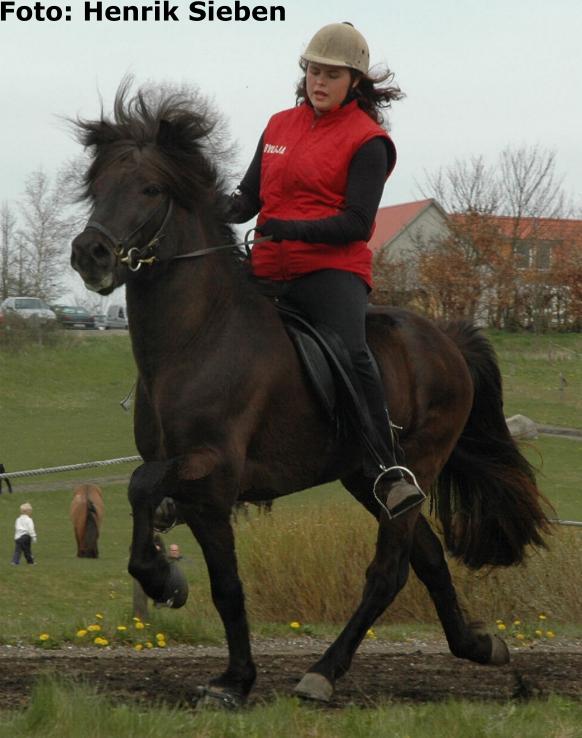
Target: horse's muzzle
<point>94,259</point>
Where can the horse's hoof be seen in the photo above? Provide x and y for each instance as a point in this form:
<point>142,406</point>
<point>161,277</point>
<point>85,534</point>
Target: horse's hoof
<point>314,686</point>
<point>176,590</point>
<point>499,652</point>
<point>216,698</point>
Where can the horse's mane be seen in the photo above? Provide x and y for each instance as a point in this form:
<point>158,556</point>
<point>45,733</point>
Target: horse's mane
<point>176,129</point>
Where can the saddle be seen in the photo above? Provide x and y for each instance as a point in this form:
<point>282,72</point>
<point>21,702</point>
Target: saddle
<point>330,371</point>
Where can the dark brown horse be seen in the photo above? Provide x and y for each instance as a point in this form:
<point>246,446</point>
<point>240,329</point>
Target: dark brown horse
<point>224,414</point>
<point>86,512</point>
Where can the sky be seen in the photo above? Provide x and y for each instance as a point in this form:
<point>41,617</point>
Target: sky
<point>478,77</point>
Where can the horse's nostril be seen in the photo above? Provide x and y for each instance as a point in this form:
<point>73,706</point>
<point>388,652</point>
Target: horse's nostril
<point>99,252</point>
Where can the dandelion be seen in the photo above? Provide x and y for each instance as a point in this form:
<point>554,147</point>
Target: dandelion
<point>539,633</point>
<point>148,644</point>
<point>138,647</point>
<point>160,637</point>
<point>99,616</point>
<point>94,628</point>
<point>99,641</point>
<point>295,625</point>
<point>139,625</point>
<point>501,626</point>
<point>541,616</point>
<point>370,633</point>
<point>520,637</point>
<point>498,621</point>
<point>517,622</point>
<point>161,644</point>
<point>81,633</point>
<point>121,628</point>
<point>136,620</point>
<point>550,634</point>
<point>44,637</point>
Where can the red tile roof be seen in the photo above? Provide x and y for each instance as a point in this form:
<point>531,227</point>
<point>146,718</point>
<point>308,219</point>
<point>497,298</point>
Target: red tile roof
<point>547,229</point>
<point>391,220</point>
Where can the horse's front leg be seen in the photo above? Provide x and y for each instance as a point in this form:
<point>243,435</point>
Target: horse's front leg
<point>206,506</point>
<point>161,580</point>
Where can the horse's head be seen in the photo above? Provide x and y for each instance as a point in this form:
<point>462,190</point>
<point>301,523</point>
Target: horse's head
<point>147,163</point>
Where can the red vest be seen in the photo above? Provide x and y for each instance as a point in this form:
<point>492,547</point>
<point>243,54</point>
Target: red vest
<point>304,174</point>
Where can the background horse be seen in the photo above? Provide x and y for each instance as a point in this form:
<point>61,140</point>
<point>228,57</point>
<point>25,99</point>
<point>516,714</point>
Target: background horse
<point>87,509</point>
<point>223,412</point>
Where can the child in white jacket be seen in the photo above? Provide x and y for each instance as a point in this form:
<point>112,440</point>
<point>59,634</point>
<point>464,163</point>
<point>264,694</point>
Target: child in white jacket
<point>24,535</point>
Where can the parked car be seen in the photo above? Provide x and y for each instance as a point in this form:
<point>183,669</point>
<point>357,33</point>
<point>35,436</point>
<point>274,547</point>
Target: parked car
<point>101,321</point>
<point>116,317</point>
<point>70,316</point>
<point>28,307</point>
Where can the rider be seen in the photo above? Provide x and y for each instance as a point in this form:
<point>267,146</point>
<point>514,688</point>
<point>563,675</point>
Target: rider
<point>316,180</point>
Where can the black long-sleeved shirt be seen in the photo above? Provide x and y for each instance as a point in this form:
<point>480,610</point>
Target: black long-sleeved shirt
<point>365,184</point>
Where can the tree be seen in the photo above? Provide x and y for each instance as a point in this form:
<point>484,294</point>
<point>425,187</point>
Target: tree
<point>46,229</point>
<point>510,254</point>
<point>7,247</point>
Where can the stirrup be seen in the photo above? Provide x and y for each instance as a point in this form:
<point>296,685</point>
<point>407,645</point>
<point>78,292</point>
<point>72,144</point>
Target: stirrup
<point>401,506</point>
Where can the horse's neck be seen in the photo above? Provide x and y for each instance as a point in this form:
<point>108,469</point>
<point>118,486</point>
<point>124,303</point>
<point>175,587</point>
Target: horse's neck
<point>174,307</point>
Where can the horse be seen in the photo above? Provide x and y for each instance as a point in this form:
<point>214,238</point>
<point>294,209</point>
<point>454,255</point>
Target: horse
<point>224,412</point>
<point>86,512</point>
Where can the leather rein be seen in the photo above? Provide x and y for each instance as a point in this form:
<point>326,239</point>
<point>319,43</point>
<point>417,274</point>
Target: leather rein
<point>136,256</point>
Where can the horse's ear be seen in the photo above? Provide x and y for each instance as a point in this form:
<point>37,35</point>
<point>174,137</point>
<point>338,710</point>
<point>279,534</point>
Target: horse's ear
<point>165,137</point>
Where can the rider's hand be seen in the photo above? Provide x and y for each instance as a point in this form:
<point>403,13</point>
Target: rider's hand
<point>279,230</point>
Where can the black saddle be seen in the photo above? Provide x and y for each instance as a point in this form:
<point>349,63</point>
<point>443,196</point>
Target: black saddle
<point>329,368</point>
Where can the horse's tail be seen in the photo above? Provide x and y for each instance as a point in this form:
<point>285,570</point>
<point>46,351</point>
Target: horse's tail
<point>486,495</point>
<point>89,548</point>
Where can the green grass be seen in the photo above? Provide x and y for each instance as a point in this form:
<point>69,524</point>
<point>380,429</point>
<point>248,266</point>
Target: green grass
<point>66,710</point>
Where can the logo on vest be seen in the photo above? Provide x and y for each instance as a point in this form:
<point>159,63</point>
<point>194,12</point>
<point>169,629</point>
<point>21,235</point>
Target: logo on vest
<point>273,149</point>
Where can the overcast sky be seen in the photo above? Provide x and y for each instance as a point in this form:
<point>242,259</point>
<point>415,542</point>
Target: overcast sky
<point>478,76</point>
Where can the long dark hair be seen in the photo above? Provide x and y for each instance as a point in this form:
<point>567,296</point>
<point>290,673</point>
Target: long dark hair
<point>374,91</point>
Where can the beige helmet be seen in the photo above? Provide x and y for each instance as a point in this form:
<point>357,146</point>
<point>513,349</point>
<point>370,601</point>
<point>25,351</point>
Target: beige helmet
<point>341,45</point>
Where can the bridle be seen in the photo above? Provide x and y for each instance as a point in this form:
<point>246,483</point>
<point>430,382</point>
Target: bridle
<point>135,256</point>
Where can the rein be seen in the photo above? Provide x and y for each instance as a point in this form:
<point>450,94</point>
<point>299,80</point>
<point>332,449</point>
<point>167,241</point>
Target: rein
<point>134,257</point>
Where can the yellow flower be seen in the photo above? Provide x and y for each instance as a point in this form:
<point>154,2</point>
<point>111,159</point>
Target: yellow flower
<point>517,622</point>
<point>99,616</point>
<point>370,633</point>
<point>160,637</point>
<point>161,644</point>
<point>101,641</point>
<point>500,626</point>
<point>541,616</point>
<point>149,644</point>
<point>295,625</point>
<point>94,628</point>
<point>550,634</point>
<point>139,625</point>
<point>520,637</point>
<point>43,637</point>
<point>539,633</point>
<point>121,628</point>
<point>138,647</point>
<point>498,621</point>
<point>81,633</point>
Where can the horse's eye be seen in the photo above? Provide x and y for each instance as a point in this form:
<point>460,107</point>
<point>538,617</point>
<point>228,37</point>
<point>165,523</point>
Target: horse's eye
<point>152,190</point>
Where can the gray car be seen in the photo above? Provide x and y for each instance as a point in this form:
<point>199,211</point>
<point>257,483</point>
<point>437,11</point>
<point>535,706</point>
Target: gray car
<point>28,307</point>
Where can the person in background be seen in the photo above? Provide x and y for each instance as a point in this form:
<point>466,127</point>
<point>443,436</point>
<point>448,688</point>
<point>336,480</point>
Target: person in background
<point>315,182</point>
<point>24,535</point>
<point>174,552</point>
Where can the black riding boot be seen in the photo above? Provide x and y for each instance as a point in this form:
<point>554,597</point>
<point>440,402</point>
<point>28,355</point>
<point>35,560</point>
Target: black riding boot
<point>384,462</point>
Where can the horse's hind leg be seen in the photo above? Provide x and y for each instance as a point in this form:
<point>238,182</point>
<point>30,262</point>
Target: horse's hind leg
<point>429,564</point>
<point>385,576</point>
<point>161,581</point>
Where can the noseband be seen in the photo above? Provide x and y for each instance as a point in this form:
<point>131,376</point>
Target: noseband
<point>134,256</point>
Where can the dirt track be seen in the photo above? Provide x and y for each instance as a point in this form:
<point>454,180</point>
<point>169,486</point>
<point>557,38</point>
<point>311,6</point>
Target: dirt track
<point>381,671</point>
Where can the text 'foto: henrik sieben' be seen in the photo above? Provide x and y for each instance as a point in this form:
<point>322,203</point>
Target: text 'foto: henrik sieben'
<point>159,10</point>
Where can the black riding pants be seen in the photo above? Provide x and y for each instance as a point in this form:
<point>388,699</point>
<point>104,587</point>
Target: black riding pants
<point>339,300</point>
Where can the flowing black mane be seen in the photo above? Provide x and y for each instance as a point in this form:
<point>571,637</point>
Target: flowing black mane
<point>176,130</point>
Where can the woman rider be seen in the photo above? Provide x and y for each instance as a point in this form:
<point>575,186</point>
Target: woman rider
<point>315,181</point>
